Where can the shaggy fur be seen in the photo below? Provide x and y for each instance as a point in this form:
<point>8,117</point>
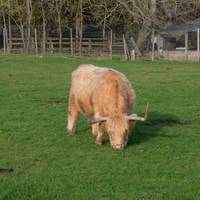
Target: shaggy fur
<point>101,92</point>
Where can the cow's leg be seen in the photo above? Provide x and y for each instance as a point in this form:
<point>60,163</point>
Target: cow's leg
<point>98,132</point>
<point>99,137</point>
<point>73,115</point>
<point>95,128</point>
<point>72,118</point>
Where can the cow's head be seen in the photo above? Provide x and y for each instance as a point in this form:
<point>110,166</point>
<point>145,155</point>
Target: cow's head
<point>118,126</point>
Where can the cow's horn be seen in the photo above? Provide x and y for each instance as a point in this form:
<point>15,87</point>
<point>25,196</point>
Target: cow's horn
<point>98,120</point>
<point>135,117</point>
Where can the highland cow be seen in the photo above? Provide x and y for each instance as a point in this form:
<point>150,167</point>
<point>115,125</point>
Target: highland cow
<point>105,97</point>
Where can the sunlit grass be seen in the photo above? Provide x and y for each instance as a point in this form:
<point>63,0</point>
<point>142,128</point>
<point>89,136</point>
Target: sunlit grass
<point>161,161</point>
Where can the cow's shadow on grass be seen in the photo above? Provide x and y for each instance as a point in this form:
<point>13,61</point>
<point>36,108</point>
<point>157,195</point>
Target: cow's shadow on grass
<point>152,127</point>
<point>147,130</point>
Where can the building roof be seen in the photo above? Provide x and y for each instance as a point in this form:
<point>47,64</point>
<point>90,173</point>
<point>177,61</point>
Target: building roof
<point>187,27</point>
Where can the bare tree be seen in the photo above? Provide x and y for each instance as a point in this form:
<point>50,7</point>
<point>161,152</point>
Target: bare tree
<point>137,16</point>
<point>59,4</point>
<point>6,13</point>
<point>9,26</point>
<point>106,13</point>
<point>29,10</point>
<point>61,9</point>
<point>79,25</point>
<point>148,14</point>
<point>143,14</point>
<point>19,18</point>
<point>43,5</point>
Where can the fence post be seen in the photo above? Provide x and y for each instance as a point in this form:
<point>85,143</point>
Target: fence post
<point>4,40</point>
<point>32,45</point>
<point>153,45</point>
<point>198,44</point>
<point>9,34</point>
<point>90,45</point>
<point>110,44</point>
<point>71,42</point>
<point>186,45</point>
<point>158,45</point>
<point>125,48</point>
<point>51,46</point>
<point>23,39</point>
<point>133,54</point>
<point>36,43</point>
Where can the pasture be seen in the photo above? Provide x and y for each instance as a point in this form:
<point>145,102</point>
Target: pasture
<point>162,160</point>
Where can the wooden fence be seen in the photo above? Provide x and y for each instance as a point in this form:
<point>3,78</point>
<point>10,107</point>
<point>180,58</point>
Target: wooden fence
<point>108,46</point>
<point>181,55</point>
<point>89,46</point>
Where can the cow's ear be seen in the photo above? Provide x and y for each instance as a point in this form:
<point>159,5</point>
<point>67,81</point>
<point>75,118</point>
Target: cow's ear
<point>98,120</point>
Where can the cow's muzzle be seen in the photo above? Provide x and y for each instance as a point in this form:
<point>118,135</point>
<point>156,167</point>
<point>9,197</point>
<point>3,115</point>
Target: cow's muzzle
<point>118,146</point>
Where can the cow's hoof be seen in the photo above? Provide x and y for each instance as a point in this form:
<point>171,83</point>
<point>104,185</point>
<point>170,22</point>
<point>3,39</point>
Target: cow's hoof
<point>70,132</point>
<point>94,134</point>
<point>98,142</point>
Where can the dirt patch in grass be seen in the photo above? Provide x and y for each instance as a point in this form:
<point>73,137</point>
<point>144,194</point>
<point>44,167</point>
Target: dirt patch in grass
<point>6,170</point>
<point>51,102</point>
<point>55,102</point>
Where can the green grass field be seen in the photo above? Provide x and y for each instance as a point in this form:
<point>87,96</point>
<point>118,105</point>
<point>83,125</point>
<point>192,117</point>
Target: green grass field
<point>162,160</point>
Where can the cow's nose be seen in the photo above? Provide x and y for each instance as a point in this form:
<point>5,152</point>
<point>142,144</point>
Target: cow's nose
<point>118,146</point>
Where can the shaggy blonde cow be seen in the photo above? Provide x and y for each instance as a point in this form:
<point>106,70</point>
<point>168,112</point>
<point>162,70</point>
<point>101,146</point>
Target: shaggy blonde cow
<point>105,97</point>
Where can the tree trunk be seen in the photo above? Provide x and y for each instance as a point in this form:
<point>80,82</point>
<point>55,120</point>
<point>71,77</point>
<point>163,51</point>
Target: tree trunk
<point>136,48</point>
<point>111,44</point>
<point>43,31</point>
<point>76,35</point>
<point>104,20</point>
<point>71,42</point>
<point>145,31</point>
<point>9,34</point>
<point>143,34</point>
<point>36,42</point>
<point>9,28</point>
<point>104,29</point>
<point>60,34</point>
<point>29,18</point>
<point>79,27</point>
<point>153,7</point>
<point>80,39</point>
<point>58,9</point>
<point>4,41</point>
<point>5,34</point>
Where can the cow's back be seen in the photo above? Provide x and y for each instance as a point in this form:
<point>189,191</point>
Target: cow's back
<point>101,91</point>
